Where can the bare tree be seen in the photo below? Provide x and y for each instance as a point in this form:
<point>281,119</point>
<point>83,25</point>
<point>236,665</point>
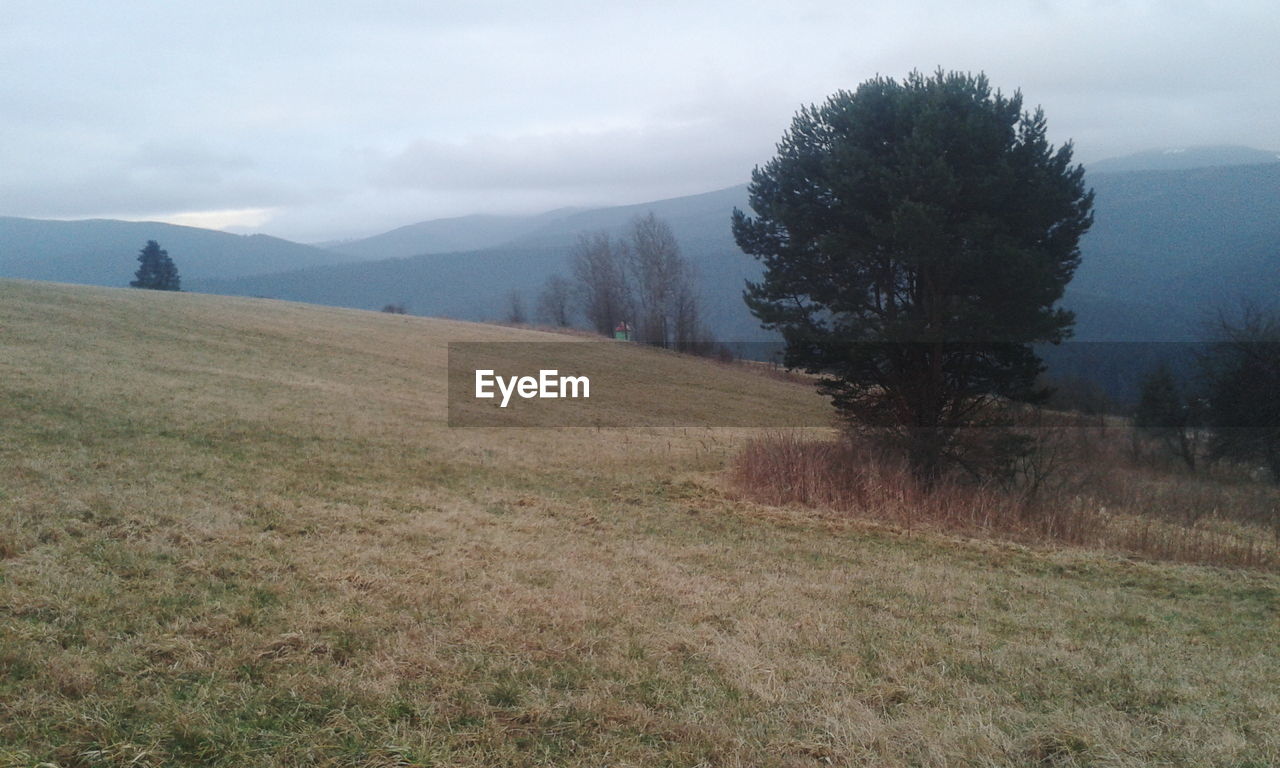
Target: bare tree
<point>602,281</point>
<point>1169,416</point>
<point>515,309</point>
<point>641,279</point>
<point>657,271</point>
<point>690,334</point>
<point>1241,369</point>
<point>554,303</point>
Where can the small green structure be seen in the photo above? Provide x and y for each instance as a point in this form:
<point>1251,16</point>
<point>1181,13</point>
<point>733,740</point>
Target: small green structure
<point>622,332</point>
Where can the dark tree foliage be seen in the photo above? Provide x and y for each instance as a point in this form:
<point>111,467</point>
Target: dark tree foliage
<point>156,270</point>
<point>915,237</point>
<point>1168,417</point>
<point>1242,373</point>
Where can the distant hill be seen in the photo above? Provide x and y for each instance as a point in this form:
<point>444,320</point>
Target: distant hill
<point>104,252</point>
<point>1188,242</point>
<point>1184,158</point>
<point>478,232</point>
<point>472,285</point>
<point>465,233</point>
<point>1167,249</point>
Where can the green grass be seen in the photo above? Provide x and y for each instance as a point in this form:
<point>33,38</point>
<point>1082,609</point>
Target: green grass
<point>238,533</point>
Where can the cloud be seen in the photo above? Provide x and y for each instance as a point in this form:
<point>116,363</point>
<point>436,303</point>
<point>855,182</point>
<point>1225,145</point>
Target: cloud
<point>333,117</point>
<point>187,156</point>
<point>704,152</point>
<point>124,192</point>
<point>144,179</point>
<point>239,220</point>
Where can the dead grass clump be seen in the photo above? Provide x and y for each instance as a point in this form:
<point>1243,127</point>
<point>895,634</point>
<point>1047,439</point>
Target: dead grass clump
<point>1083,496</point>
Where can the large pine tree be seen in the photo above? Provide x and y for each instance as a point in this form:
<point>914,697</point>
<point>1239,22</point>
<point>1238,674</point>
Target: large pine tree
<point>156,270</point>
<point>916,236</point>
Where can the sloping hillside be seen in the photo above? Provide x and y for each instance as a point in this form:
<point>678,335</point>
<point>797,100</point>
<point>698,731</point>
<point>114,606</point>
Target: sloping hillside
<point>1183,158</point>
<point>237,532</point>
<point>1186,241</point>
<point>104,252</point>
<point>464,233</point>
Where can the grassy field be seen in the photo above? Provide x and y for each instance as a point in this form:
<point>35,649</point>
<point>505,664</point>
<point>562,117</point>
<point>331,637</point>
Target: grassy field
<point>239,533</point>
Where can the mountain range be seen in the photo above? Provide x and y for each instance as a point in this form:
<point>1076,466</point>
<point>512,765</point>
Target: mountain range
<point>1167,250</point>
<point>463,233</point>
<point>1169,247</point>
<point>1185,158</point>
<point>473,285</point>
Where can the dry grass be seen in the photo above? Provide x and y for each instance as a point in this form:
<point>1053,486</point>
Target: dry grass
<point>238,533</point>
<point>1090,492</point>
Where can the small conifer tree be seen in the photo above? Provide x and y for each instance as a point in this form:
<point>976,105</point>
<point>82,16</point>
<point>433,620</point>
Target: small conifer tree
<point>156,270</point>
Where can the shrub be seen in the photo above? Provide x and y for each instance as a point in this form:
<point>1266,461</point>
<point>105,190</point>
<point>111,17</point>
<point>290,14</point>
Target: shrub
<point>1077,486</point>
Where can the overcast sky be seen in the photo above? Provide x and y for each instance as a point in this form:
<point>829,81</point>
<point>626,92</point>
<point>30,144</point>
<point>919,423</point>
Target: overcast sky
<point>314,120</point>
